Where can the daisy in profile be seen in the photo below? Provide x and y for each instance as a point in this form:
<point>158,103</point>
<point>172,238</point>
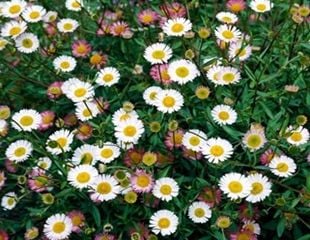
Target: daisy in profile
<point>165,189</point>
<point>261,6</point>
<point>164,222</point>
<point>82,176</point>
<point>27,43</point>
<point>58,227</point>
<point>199,212</point>
<point>3,43</point>
<point>77,90</point>
<point>182,71</point>
<point>177,27</point>
<point>261,188</point>
<point>44,163</point>
<point>194,140</point>
<point>213,74</point>
<point>251,226</point>
<point>104,188</point>
<point>19,151</point>
<point>224,115</point>
<point>255,138</point>
<point>235,185</point>
<point>50,17</point>
<point>85,154</point>
<point>150,94</point>
<point>59,141</point>
<point>168,101</point>
<point>13,8</point>
<point>227,17</point>
<point>74,5</point>
<point>26,120</point>
<point>108,152</point>
<point>67,25</point>
<point>129,130</point>
<point>33,13</point>
<point>157,53</point>
<point>228,75</point>
<point>108,76</point>
<point>282,166</point>
<point>13,28</point>
<point>297,136</point>
<point>227,33</point>
<point>141,181</point>
<point>217,150</point>
<point>9,201</point>
<point>86,110</point>
<point>64,63</point>
<point>121,115</point>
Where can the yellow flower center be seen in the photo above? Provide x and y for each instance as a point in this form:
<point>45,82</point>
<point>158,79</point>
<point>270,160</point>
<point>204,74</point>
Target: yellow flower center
<point>296,136</point>
<point>282,167</point>
<point>59,227</point>
<point>236,7</point>
<point>34,15</point>
<point>130,131</point>
<point>65,65</point>
<point>235,187</point>
<point>83,177</point>
<point>147,18</point>
<point>81,49</point>
<point>80,92</point>
<point>227,19</point>
<point>158,54</point>
<point>61,142</point>
<point>68,26</point>
<point>304,11</point>
<point>76,220</point>
<point>164,223</point>
<point>199,212</point>
<point>86,113</point>
<point>223,222</point>
<point>149,158</point>
<point>15,9</point>
<point>261,7</point>
<point>240,52</point>
<point>164,75</point>
<point>177,138</point>
<point>15,31</point>
<point>26,121</point>
<point>254,141</point>
<point>228,34</point>
<point>108,77</point>
<point>143,181</point>
<point>87,158</point>
<point>243,236</point>
<point>153,95</point>
<point>21,151</point>
<point>165,189</point>
<point>182,72</point>
<point>216,150</point>
<point>75,4</point>
<point>10,201</point>
<point>168,101</point>
<point>194,141</point>
<point>228,77</point>
<point>177,27</point>
<point>106,153</point>
<point>104,188</point>
<point>223,115</point>
<point>257,188</point>
<point>2,44</point>
<point>43,165</point>
<point>27,43</point>
<point>95,59</point>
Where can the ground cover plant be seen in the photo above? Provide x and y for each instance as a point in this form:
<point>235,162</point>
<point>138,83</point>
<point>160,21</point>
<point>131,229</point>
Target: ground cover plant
<point>154,119</point>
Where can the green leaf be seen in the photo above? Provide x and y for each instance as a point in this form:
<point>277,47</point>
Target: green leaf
<point>96,215</point>
<point>306,237</point>
<point>281,227</point>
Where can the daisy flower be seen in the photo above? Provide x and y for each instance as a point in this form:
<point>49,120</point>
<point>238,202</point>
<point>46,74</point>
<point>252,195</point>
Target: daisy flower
<point>3,43</point>
<point>236,5</point>
<point>13,28</point>
<point>77,90</point>
<point>50,17</point>
<point>168,101</point>
<point>82,176</point>
<point>261,188</point>
<point>150,94</point>
<point>141,181</point>
<point>159,73</point>
<point>148,17</point>
<point>74,5</point>
<point>177,27</point>
<point>9,201</point>
<point>58,227</point>
<point>164,222</point>
<point>33,13</point>
<point>251,226</point>
<point>86,110</point>
<point>27,43</point>
<point>182,71</point>
<point>174,139</point>
<point>239,51</point>
<point>165,189</point>
<point>243,234</point>
<point>228,75</point>
<point>48,118</point>
<point>194,140</point>
<point>261,6</point>
<point>64,63</point>
<point>199,212</point>
<point>129,131</point>
<point>158,53</point>
<point>108,77</point>
<point>85,154</point>
<point>255,138</point>
<point>213,74</point>
<point>235,185</point>
<point>121,116</point>
<point>26,120</point>
<point>67,25</point>
<point>108,152</point>
<point>224,115</point>
<point>120,28</point>
<point>227,33</point>
<point>282,166</point>
<point>78,220</point>
<point>104,188</point>
<point>227,17</point>
<point>217,150</point>
<point>81,48</point>
<point>297,136</point>
<point>13,8</point>
<point>19,151</point>
<point>44,163</point>
<point>59,142</point>
<point>4,128</point>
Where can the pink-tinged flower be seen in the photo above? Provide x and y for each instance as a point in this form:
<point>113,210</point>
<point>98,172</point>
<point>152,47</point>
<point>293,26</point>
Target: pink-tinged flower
<point>243,235</point>
<point>160,74</point>
<point>98,59</point>
<point>81,48</point>
<point>174,10</point>
<point>141,230</point>
<point>50,29</point>
<point>2,180</point>
<point>84,131</point>
<point>47,121</point>
<point>166,158</point>
<point>102,105</point>
<point>70,120</point>
<point>104,236</point>
<point>10,166</point>
<point>210,196</point>
<point>54,90</point>
<point>133,157</point>
<point>266,157</point>
<point>111,16</point>
<point>78,220</point>
<point>4,128</point>
<point>104,28</point>
<point>236,5</point>
<point>190,154</point>
<point>3,235</point>
<point>245,213</point>
<point>148,17</point>
<point>173,139</point>
<point>120,28</point>
<point>37,180</point>
<point>31,233</point>
<point>141,181</point>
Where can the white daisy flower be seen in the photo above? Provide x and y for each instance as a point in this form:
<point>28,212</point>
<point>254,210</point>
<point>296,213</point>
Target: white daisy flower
<point>239,51</point>
<point>13,28</point>
<point>282,166</point>
<point>254,138</point>
<point>26,120</point>
<point>58,227</point>
<point>261,188</point>
<point>121,116</point>
<point>158,53</point>
<point>67,25</point>
<point>194,140</point>
<point>108,77</point>
<point>217,150</point>
<point>149,95</point>
<point>129,130</point>
<point>168,101</point>
<point>86,110</point>
<point>64,63</point>
<point>228,75</point>
<point>74,5</point>
<point>33,13</point>
<point>224,114</point>
<point>182,71</point>
<point>227,17</point>
<point>165,189</point>
<point>3,43</point>
<point>19,151</point>
<point>108,152</point>
<point>9,201</point>
<point>227,33</point>
<point>235,185</point>
<point>104,188</point>
<point>213,74</point>
<point>164,222</point>
<point>297,136</point>
<point>44,163</point>
<point>59,142</point>
<point>199,212</point>
<point>13,8</point>
<point>27,43</point>
<point>261,6</point>
<point>82,176</point>
<point>177,27</point>
<point>50,16</point>
<point>251,226</point>
<point>77,90</point>
<point>85,154</point>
